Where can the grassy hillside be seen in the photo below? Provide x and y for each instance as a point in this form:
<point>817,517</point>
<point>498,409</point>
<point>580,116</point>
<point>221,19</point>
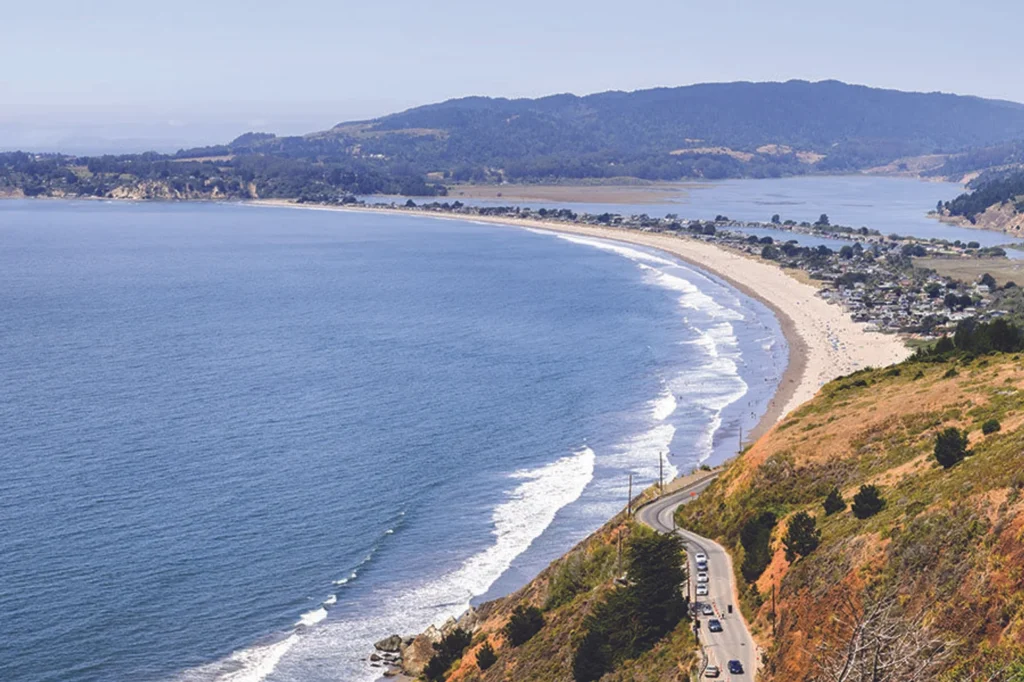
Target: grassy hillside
<point>931,586</point>
<point>567,592</point>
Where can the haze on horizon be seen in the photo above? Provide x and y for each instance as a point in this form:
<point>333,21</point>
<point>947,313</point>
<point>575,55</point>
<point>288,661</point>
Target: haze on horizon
<point>121,77</point>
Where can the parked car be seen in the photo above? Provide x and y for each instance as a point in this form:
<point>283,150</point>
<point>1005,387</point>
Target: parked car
<point>702,590</point>
<point>708,610</point>
<point>700,556</point>
<point>702,577</point>
<point>735,667</point>
<point>712,671</point>
<point>702,565</point>
<point>714,625</point>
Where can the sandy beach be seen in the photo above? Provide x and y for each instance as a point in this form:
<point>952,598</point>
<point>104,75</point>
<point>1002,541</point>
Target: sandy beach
<point>824,343</point>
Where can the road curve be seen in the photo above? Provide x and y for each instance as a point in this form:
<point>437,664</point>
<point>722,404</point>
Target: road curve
<point>734,642</point>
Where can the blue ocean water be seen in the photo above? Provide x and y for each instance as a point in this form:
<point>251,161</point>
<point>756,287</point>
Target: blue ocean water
<point>243,443</point>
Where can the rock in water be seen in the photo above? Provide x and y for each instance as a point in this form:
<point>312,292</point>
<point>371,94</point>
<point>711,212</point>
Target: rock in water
<point>392,644</point>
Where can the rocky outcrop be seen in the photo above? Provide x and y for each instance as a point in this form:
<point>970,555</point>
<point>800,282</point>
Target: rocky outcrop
<point>410,655</point>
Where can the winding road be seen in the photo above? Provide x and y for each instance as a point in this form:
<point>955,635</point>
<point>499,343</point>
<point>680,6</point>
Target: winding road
<point>734,642</point>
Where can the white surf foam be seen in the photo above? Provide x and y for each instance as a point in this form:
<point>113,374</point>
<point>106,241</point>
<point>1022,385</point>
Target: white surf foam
<point>342,643</point>
<point>664,405</point>
<point>331,600</point>
<point>247,665</point>
<point>613,247</point>
<point>313,617</point>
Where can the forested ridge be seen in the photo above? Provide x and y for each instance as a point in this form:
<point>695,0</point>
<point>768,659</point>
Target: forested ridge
<point>707,131</point>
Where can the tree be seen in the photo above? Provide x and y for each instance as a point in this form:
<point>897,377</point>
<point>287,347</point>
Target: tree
<point>989,281</point>
<point>873,640</point>
<point>802,536</point>
<point>633,618</point>
<point>834,503</point>
<point>991,426</point>
<point>944,345</point>
<point>524,624</point>
<point>776,219</point>
<point>823,221</point>
<point>867,502</point>
<point>846,252</point>
<point>950,447</point>
<point>446,652</point>
<point>769,252</point>
<point>486,657</point>
<point>755,536</point>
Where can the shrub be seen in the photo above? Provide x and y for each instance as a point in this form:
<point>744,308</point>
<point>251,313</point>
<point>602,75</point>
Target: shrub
<point>755,536</point>
<point>802,536</point>
<point>991,426</point>
<point>867,502</point>
<point>834,503</point>
<point>526,621</point>
<point>950,447</point>
<point>486,657</point>
<point>578,573</point>
<point>446,652</point>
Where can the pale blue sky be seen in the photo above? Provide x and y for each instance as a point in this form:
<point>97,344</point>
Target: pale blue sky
<point>190,72</point>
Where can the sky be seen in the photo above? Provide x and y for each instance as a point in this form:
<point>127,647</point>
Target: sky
<point>127,76</point>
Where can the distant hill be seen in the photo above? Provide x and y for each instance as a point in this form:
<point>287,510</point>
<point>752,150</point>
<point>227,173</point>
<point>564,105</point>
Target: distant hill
<point>716,130</point>
<point>706,131</point>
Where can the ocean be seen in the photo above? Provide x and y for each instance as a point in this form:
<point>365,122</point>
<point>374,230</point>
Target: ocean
<point>244,443</point>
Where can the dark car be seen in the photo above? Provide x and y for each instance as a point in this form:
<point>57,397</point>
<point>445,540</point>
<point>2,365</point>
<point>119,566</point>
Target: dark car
<point>735,667</point>
<point>715,625</point>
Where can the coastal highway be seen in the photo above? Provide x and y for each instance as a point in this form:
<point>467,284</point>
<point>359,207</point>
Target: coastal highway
<point>734,642</point>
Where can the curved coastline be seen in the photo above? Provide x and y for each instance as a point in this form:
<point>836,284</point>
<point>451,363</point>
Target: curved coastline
<point>823,342</point>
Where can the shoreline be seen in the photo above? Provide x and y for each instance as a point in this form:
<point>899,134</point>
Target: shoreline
<point>823,342</point>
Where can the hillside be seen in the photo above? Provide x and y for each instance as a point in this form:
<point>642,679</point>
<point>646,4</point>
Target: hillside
<point>995,200</point>
<point>714,129</point>
<point>709,131</point>
<point>569,594</point>
<point>929,587</point>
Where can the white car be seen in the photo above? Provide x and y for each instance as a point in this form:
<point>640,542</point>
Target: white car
<point>702,590</point>
<point>712,671</point>
<point>702,577</point>
<point>700,556</point>
<point>708,610</point>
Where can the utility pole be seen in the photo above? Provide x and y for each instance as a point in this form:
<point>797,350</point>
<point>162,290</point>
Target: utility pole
<point>629,502</point>
<point>741,437</point>
<point>773,607</point>
<point>661,473</point>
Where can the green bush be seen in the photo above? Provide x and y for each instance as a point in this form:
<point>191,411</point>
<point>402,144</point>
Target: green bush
<point>446,652</point>
<point>802,536</point>
<point>486,657</point>
<point>991,426</point>
<point>834,503</point>
<point>526,621</point>
<point>755,536</point>
<point>950,447</point>
<point>580,572</point>
<point>867,502</point>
